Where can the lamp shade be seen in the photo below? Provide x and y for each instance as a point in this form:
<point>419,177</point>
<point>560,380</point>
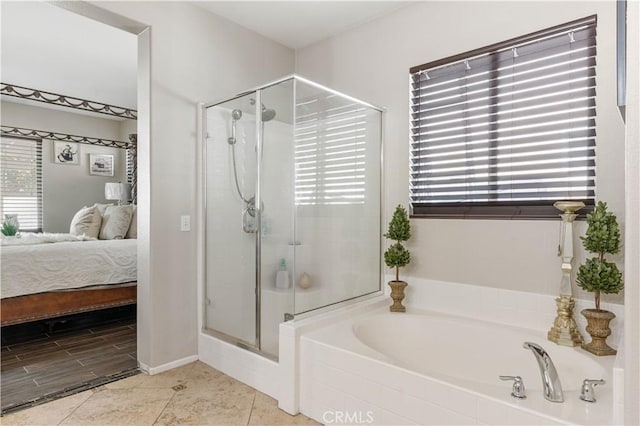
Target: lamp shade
<point>117,191</point>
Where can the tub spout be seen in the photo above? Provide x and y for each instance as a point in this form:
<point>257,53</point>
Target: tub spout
<point>552,388</point>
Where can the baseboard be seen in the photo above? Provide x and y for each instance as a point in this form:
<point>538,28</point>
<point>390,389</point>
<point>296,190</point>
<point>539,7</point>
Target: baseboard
<point>168,366</point>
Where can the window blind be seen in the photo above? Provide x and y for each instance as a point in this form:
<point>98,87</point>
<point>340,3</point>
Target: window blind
<point>508,129</point>
<point>132,173</point>
<point>130,162</point>
<point>21,181</point>
<point>330,158</point>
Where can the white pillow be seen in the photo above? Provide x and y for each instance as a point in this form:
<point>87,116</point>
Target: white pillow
<point>86,222</point>
<point>102,207</point>
<point>133,227</point>
<point>115,222</point>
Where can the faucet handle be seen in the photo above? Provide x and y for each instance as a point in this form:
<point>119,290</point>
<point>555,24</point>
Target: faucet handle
<point>518,390</point>
<point>587,393</point>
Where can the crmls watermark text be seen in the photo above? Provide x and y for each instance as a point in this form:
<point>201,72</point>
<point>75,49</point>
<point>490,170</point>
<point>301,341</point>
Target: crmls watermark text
<point>348,417</point>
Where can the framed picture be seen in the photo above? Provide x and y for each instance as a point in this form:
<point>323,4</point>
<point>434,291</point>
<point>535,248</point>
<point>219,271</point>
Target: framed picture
<point>101,164</point>
<point>66,152</point>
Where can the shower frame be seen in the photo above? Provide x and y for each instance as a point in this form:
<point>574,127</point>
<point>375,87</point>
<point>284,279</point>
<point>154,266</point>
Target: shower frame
<point>256,348</point>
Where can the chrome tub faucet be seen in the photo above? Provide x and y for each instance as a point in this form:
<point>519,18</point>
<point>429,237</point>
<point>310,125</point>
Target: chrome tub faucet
<point>586,393</point>
<point>552,388</point>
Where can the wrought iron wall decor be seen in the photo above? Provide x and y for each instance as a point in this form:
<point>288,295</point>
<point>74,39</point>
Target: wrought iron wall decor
<point>41,134</point>
<point>66,101</point>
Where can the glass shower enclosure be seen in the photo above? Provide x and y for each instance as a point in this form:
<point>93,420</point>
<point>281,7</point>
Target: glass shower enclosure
<point>292,207</point>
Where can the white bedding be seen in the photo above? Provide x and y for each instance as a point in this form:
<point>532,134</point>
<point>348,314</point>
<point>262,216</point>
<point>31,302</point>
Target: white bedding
<point>41,238</point>
<point>30,269</point>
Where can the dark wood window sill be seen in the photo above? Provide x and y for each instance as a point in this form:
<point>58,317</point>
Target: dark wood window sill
<point>492,211</point>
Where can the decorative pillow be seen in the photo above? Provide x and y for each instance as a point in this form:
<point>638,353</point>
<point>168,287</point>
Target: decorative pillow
<point>133,227</point>
<point>102,207</point>
<point>115,222</point>
<point>86,222</point>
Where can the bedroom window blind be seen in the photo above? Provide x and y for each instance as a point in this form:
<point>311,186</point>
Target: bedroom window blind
<point>330,157</point>
<point>129,166</point>
<point>132,167</point>
<point>21,181</point>
<point>506,130</point>
<point>132,175</point>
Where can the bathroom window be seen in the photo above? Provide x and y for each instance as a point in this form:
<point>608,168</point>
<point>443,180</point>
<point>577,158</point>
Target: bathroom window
<point>506,130</point>
<point>21,181</point>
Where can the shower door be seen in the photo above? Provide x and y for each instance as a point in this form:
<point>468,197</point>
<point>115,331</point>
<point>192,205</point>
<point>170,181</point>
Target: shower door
<point>249,217</point>
<point>231,220</point>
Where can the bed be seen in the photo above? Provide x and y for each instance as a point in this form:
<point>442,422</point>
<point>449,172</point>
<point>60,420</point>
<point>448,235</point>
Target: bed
<point>48,280</point>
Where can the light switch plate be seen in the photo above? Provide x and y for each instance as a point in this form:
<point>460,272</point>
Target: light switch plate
<point>185,223</point>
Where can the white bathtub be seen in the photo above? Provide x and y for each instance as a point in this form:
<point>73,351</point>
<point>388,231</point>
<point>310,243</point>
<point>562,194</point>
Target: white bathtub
<point>427,368</point>
<point>475,353</point>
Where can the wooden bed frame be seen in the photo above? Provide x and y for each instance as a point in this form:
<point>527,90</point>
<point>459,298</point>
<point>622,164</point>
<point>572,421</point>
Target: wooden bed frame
<point>40,306</point>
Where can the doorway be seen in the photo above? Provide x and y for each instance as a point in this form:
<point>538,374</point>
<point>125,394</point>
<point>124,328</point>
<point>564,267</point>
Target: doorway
<point>117,323</point>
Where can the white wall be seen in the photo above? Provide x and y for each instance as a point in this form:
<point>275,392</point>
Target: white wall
<point>127,127</point>
<point>372,62</point>
<point>195,57</point>
<point>67,188</point>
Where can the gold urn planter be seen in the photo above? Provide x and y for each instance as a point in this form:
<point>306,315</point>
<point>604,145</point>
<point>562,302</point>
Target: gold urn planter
<point>397,294</point>
<point>598,328</point>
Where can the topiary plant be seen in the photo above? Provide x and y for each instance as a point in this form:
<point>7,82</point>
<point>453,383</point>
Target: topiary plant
<point>399,230</point>
<point>602,237</point>
<point>9,228</point>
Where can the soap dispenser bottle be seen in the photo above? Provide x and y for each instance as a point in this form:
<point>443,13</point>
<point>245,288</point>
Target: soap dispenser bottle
<point>282,277</point>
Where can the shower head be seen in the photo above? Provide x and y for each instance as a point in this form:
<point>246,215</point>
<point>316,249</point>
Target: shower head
<point>236,114</point>
<point>268,114</point>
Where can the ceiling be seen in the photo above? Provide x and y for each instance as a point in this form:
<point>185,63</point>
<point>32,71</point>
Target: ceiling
<point>48,48</point>
<point>297,24</point>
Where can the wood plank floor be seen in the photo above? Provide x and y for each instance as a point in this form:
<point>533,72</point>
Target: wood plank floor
<point>36,361</point>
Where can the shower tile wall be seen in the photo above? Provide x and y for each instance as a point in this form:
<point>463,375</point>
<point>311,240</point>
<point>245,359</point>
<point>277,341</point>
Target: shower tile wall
<point>277,220</point>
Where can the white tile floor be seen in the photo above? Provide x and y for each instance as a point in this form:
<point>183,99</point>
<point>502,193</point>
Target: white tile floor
<point>194,394</point>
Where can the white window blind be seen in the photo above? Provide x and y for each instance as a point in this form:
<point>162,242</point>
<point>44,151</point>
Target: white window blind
<point>330,157</point>
<point>21,181</point>
<point>508,129</point>
<point>132,173</point>
<point>130,166</point>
